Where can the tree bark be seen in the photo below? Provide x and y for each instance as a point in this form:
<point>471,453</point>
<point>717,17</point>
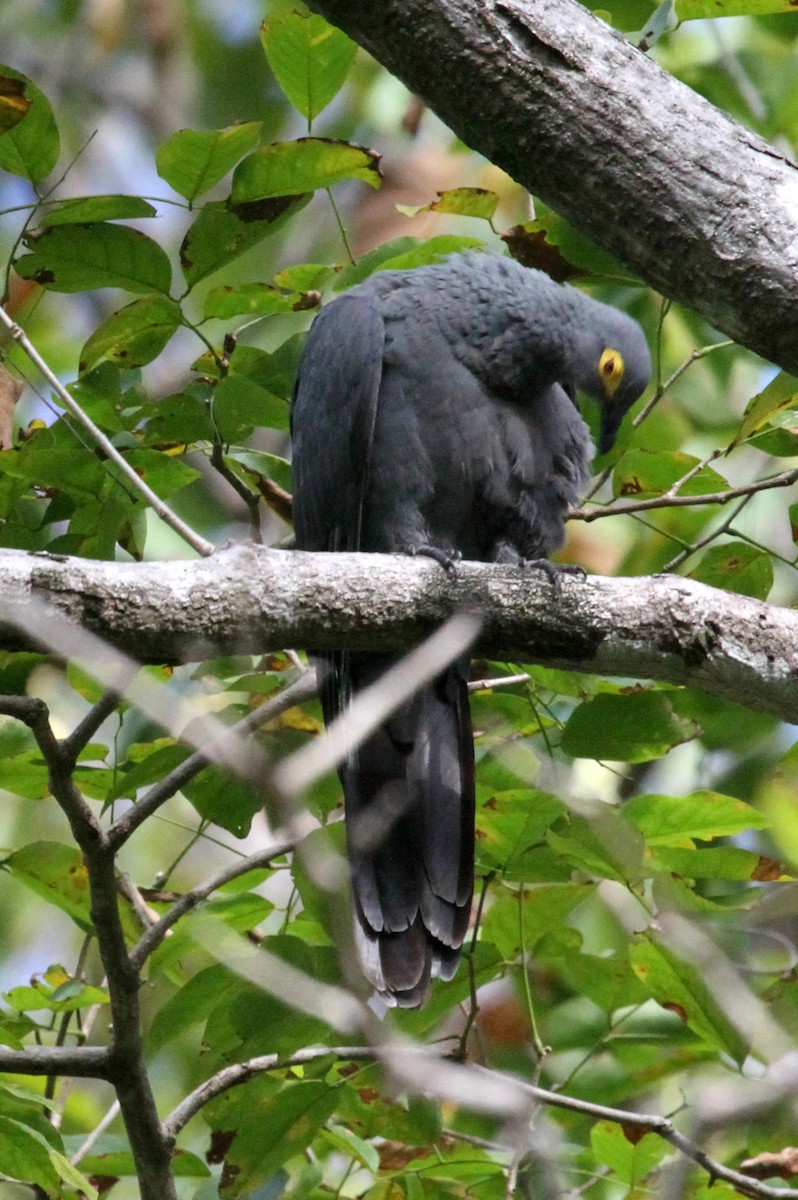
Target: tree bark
<point>249,599</point>
<point>701,208</point>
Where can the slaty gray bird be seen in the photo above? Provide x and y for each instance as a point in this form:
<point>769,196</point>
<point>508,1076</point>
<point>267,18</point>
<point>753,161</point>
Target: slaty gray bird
<point>435,411</point>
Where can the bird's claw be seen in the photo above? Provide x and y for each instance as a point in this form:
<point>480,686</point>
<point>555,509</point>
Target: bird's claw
<point>444,559</point>
<point>553,571</point>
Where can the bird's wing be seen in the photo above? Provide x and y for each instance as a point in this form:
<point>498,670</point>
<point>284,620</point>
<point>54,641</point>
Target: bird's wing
<point>332,422</point>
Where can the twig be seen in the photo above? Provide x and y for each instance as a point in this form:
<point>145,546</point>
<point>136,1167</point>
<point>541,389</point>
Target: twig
<point>230,1077</point>
<point>170,518</point>
<point>479,685</point>
<point>724,527</point>
<point>96,1133</point>
<point>785,479</point>
<point>262,858</point>
<point>82,734</point>
<point>244,494</point>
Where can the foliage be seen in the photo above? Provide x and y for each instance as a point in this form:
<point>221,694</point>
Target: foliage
<point>635,843</point>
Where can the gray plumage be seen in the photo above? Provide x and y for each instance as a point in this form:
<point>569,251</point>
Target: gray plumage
<point>436,408</point>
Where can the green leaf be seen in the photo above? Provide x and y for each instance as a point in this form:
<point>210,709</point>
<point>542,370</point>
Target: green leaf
<point>291,168</point>
<point>267,466</point>
<point>181,420</point>
<point>221,233</point>
<point>676,820</point>
<point>310,58</point>
<point>609,983</point>
<point>76,471</point>
<point>545,907</point>
<point>630,1154</point>
<point>31,147</point>
<point>304,277</point>
<point>248,298</point>
<point>13,102</point>
<point>431,251</point>
<point>461,202</point>
<point>23,771</point>
<point>193,161</point>
<point>780,393</point>
<point>712,862</point>
<point>56,873</point>
<point>164,473</point>
<point>224,798</point>
<point>643,473</point>
<point>272,1129</point>
<point>680,987</point>
<point>55,999</point>
<point>694,10</point>
<point>513,822</point>
<point>736,567</point>
<point>120,1163</point>
<point>349,1144</point>
<point>79,258</point>
<point>240,404</point>
<point>89,209</point>
<point>133,335</point>
<point>600,846</point>
<point>636,727</point>
<point>25,1155</point>
<point>192,1003</point>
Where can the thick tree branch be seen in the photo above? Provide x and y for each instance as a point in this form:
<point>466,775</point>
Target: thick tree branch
<point>123,1064</point>
<point>89,1062</point>
<point>701,208</point>
<point>249,599</point>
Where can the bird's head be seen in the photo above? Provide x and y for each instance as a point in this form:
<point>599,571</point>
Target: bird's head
<point>613,365</point>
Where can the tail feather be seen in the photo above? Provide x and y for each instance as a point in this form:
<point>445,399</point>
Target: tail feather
<point>409,795</point>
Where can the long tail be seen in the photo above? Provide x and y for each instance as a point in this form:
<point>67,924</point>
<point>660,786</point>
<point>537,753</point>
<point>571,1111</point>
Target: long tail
<point>409,796</point>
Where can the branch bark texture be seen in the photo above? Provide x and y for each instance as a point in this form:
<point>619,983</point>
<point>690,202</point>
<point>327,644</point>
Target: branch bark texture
<point>249,599</point>
<point>701,208</point>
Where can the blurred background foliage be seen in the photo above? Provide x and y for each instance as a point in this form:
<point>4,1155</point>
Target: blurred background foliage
<point>639,841</point>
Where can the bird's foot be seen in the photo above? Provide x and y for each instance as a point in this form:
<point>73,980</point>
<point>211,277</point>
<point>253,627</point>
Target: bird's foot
<point>553,571</point>
<point>441,557</point>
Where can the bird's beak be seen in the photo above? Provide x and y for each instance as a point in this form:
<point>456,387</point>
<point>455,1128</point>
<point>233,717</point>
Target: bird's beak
<point>609,425</point>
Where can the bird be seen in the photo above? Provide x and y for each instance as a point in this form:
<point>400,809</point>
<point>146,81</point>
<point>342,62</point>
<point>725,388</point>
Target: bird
<point>435,411</point>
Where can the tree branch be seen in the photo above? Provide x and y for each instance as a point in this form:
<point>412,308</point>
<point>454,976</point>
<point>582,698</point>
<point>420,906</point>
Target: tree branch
<point>251,600</point>
<point>634,158</point>
<point>123,1064</point>
<point>131,476</point>
<point>421,1071</point>
<point>85,1062</point>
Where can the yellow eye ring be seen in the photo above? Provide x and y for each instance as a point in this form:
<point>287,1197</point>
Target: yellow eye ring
<point>610,368</point>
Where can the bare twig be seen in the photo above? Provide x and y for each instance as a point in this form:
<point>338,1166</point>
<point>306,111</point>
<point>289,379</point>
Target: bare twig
<point>135,481</point>
<point>99,1129</point>
<point>82,734</point>
<point>668,500</point>
<point>717,532</point>
<point>153,936</point>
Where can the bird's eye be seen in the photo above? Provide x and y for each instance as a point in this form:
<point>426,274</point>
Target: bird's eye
<point>610,371</point>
